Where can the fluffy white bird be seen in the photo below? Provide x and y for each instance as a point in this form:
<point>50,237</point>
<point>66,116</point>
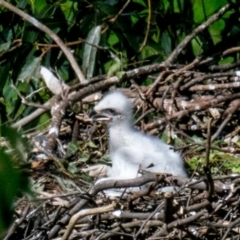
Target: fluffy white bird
<point>131,150</point>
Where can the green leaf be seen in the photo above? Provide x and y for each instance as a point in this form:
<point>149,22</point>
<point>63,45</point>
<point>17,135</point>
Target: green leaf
<point>68,9</point>
<point>226,60</point>
<point>141,2</point>
<point>30,33</point>
<point>105,9</point>
<point>215,30</point>
<point>105,159</point>
<point>11,180</point>
<point>92,145</point>
<point>30,69</point>
<point>204,8</point>
<point>148,51</point>
<point>90,51</point>
<point>72,168</point>
<point>117,66</point>
<point>113,39</point>
<point>38,6</point>
<point>166,43</point>
<point>5,46</point>
<point>4,71</point>
<point>71,149</point>
<point>120,74</point>
<point>196,46</point>
<point>84,159</point>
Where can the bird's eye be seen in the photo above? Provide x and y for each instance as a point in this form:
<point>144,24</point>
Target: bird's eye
<point>110,111</point>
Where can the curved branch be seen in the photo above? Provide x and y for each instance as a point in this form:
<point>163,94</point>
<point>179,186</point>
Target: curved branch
<point>54,36</point>
<point>195,32</point>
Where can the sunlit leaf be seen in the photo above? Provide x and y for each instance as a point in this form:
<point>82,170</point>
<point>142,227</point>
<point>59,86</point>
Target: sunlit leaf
<point>90,51</point>
<point>117,66</point>
<point>68,8</point>
<point>92,145</point>
<point>38,6</point>
<point>202,9</point>
<point>112,39</point>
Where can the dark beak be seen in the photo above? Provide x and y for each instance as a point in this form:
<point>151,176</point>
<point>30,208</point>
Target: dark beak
<point>99,116</point>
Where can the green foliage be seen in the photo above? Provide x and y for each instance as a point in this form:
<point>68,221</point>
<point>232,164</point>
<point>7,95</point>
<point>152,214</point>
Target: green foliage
<point>12,181</point>
<point>71,149</point>
<point>23,47</point>
<point>220,162</point>
<point>30,70</point>
<point>202,9</point>
<point>84,148</point>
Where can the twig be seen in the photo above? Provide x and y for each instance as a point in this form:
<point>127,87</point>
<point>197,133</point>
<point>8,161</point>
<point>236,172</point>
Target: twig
<point>147,219</point>
<point>24,101</point>
<point>86,212</point>
<point>17,223</point>
<point>231,50</point>
<point>205,77</point>
<point>224,67</point>
<point>229,227</point>
<point>179,222</point>
<point>148,26</point>
<point>234,106</point>
<point>113,20</point>
<point>182,113</point>
<point>208,143</point>
<point>35,114</point>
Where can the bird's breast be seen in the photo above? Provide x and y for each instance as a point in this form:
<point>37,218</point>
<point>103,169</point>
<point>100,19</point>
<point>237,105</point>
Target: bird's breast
<point>119,137</point>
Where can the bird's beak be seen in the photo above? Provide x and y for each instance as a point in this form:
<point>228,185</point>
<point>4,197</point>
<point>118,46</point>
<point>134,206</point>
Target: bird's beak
<point>100,116</point>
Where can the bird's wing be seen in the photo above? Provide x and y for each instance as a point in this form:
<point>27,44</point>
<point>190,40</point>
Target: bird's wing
<point>154,155</point>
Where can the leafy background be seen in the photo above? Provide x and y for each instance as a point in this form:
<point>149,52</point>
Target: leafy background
<point>125,41</point>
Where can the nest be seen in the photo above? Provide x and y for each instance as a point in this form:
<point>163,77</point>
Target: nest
<point>207,208</point>
<point>191,103</point>
<point>69,206</point>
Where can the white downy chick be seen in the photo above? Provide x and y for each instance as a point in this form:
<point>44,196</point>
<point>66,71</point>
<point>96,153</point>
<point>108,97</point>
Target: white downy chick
<point>131,150</point>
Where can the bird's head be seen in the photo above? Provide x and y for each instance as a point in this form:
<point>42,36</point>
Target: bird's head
<point>114,108</point>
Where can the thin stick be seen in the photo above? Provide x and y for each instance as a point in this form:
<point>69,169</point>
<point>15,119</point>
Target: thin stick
<point>208,144</point>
